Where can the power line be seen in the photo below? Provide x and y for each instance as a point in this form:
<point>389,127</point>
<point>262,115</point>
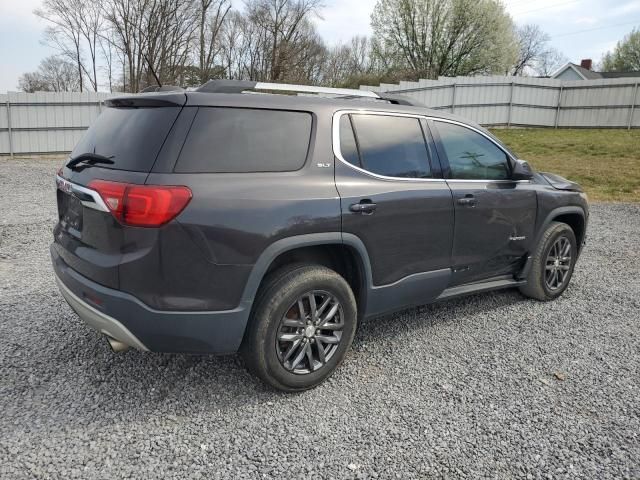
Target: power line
<point>594,29</point>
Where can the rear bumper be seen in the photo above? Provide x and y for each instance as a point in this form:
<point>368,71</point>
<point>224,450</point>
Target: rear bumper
<point>99,321</point>
<point>130,321</point>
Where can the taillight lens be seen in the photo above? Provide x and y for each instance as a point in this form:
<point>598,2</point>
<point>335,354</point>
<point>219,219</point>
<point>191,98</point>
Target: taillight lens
<point>142,205</point>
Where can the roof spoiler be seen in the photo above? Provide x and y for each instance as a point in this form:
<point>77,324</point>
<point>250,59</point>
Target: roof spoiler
<point>162,88</point>
<point>166,98</point>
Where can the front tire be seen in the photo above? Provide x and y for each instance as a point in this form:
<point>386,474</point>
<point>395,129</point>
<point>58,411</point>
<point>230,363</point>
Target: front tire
<point>302,325</point>
<point>553,263</point>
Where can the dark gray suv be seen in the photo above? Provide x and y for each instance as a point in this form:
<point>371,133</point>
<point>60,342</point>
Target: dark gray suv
<point>221,220</point>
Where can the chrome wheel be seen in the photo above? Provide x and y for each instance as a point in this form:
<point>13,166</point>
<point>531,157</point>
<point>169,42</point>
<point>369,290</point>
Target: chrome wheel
<point>558,264</point>
<point>310,332</point>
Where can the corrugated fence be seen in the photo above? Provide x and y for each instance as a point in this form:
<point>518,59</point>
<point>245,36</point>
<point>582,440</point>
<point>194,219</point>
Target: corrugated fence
<point>529,102</point>
<point>36,123</point>
<point>40,123</point>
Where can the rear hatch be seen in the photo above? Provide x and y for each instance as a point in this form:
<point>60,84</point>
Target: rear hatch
<point>121,146</point>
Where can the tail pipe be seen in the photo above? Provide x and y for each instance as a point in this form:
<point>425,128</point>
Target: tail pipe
<point>116,345</point>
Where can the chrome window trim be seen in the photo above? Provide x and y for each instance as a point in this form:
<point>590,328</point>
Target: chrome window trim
<point>364,111</point>
<point>465,180</point>
<point>338,154</point>
<point>73,188</point>
<point>469,127</point>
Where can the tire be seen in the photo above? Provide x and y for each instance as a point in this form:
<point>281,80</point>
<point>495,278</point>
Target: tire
<point>549,259</point>
<point>286,352</point>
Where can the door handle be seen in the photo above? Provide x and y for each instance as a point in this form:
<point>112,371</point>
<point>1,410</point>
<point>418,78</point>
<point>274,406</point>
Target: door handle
<point>468,201</point>
<point>364,207</point>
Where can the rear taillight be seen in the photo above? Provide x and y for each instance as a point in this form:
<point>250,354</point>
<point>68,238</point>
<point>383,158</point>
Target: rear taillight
<point>142,205</point>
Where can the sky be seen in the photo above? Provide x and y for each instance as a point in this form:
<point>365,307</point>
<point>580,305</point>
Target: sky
<point>578,28</point>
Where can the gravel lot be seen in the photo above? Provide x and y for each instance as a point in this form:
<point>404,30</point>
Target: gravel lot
<point>491,385</point>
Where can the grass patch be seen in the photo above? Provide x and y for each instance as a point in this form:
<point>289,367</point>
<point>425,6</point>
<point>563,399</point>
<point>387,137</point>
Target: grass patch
<point>605,162</point>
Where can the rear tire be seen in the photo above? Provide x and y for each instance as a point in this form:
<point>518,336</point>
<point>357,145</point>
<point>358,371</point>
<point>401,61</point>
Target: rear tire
<point>303,323</point>
<point>552,263</point>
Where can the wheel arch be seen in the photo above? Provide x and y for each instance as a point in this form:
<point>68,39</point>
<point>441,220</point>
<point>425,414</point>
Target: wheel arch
<point>344,253</point>
<point>573,216</point>
<point>577,223</point>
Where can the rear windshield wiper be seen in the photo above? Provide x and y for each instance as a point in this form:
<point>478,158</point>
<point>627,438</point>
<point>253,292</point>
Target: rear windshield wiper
<point>89,159</point>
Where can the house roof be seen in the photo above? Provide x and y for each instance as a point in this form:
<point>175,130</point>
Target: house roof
<point>635,73</point>
<point>591,75</point>
<point>588,74</point>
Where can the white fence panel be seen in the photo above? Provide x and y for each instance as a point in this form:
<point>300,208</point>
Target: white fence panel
<point>46,122</point>
<point>533,116</point>
<point>54,122</point>
<point>594,117</point>
<point>534,102</point>
<point>539,96</point>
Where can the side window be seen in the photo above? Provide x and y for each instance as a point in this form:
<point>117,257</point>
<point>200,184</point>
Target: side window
<point>391,146</point>
<point>348,146</point>
<point>236,140</point>
<point>471,155</point>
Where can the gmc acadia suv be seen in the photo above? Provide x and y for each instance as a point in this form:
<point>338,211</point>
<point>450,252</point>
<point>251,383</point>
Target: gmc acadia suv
<point>218,221</point>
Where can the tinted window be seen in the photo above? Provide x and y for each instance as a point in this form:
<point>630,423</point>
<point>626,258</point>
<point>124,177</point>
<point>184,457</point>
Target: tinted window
<point>471,155</point>
<point>245,140</point>
<point>131,136</point>
<point>392,146</point>
<point>348,147</point>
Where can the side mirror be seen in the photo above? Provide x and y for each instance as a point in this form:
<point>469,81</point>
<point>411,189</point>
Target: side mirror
<point>522,171</point>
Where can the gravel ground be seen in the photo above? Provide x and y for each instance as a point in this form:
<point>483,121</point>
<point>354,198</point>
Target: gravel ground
<point>491,385</point>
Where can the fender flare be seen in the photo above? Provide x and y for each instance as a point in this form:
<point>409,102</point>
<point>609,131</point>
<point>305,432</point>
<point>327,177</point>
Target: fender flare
<point>284,245</point>
<point>557,212</point>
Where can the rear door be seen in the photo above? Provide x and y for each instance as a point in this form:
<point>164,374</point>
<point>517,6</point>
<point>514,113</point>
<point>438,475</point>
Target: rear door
<point>392,196</point>
<point>494,215</point>
<point>128,138</point>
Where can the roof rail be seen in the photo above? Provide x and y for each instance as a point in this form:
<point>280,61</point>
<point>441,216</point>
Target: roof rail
<point>239,86</point>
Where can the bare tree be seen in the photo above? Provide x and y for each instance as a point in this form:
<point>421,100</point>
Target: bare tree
<point>153,36</point>
<point>63,34</point>
<point>284,33</point>
<point>55,74</point>
<point>31,82</point>
<point>336,68</point>
<point>551,61</point>
<point>233,48</point>
<point>90,23</point>
<point>211,19</point>
<point>535,54</point>
<point>444,37</point>
<point>74,30</point>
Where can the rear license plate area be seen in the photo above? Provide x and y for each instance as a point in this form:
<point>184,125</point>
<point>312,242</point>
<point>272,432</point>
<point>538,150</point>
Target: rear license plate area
<point>70,213</point>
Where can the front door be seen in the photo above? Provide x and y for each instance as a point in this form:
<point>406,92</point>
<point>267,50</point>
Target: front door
<point>494,215</point>
<point>392,198</point>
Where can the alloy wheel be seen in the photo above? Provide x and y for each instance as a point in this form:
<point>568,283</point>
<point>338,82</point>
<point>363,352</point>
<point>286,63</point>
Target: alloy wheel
<point>558,264</point>
<point>310,332</point>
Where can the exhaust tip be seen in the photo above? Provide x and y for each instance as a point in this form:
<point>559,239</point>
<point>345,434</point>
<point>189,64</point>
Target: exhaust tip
<point>116,345</point>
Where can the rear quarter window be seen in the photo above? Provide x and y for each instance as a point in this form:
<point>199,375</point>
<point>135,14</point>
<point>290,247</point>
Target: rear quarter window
<point>237,140</point>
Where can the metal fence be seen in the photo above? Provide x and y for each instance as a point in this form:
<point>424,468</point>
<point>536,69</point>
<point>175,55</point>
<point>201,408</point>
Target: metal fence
<point>529,102</point>
<point>46,123</point>
<point>37,123</point>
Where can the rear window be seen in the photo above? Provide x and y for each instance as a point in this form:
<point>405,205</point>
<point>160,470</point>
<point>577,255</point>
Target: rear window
<point>131,136</point>
<point>226,140</point>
